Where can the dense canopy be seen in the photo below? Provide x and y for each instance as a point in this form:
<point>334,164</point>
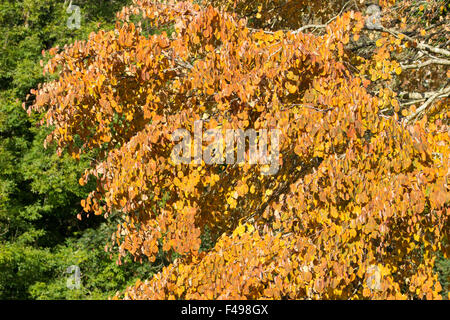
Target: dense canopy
<point>359,205</point>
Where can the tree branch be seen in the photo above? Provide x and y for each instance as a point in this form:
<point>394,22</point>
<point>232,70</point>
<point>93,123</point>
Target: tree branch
<point>421,46</point>
<point>426,63</point>
<point>444,92</point>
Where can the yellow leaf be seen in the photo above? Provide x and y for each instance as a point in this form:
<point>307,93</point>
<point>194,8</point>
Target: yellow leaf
<point>366,292</point>
<point>240,230</point>
<point>196,40</point>
<point>180,290</point>
<point>291,88</point>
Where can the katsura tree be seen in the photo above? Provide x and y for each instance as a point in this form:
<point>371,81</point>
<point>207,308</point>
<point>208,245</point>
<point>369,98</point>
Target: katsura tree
<point>358,207</point>
<point>402,49</point>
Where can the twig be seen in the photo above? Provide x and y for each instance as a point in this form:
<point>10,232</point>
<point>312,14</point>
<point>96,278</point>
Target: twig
<point>444,92</point>
<point>426,63</point>
<point>420,46</point>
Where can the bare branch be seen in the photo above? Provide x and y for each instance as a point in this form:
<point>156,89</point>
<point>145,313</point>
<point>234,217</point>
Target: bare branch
<point>309,26</point>
<point>444,92</point>
<point>426,63</point>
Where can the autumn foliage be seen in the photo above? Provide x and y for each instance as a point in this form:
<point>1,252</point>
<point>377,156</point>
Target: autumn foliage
<point>359,206</point>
